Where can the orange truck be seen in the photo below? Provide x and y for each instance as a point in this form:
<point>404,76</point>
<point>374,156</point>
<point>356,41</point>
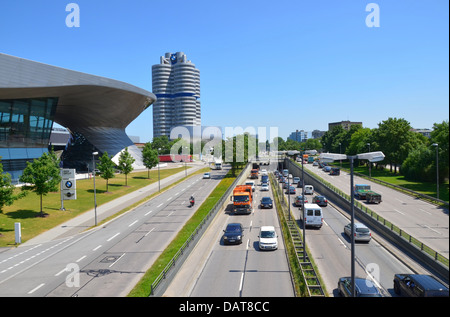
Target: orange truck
<point>254,173</point>
<point>242,199</point>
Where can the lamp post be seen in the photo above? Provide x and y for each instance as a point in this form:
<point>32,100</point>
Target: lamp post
<point>370,164</point>
<point>95,190</point>
<point>437,169</point>
<point>159,178</point>
<point>372,157</point>
<point>303,211</point>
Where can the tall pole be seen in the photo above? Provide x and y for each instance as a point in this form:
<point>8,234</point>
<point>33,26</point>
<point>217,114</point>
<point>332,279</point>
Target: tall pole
<point>352,212</point>
<point>303,211</point>
<point>437,169</point>
<point>95,190</point>
<point>370,163</point>
<point>159,178</point>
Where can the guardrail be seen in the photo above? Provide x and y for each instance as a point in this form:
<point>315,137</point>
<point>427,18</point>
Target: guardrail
<point>179,257</point>
<point>388,230</point>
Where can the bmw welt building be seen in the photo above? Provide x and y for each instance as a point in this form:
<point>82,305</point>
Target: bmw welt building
<point>95,110</point>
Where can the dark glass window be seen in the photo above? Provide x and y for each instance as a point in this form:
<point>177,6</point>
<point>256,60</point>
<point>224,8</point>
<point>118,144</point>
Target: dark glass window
<point>26,122</point>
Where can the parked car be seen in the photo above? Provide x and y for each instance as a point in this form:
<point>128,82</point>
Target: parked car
<point>266,202</point>
<point>268,238</point>
<point>291,190</point>
<point>320,200</point>
<point>233,233</point>
<point>363,287</point>
<point>419,285</point>
<point>299,201</point>
<point>207,175</point>
<point>362,233</point>
<point>264,187</point>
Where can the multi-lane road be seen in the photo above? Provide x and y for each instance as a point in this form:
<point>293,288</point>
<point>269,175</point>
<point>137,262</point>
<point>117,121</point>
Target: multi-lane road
<point>218,270</point>
<point>108,260</point>
<point>214,269</point>
<point>424,221</point>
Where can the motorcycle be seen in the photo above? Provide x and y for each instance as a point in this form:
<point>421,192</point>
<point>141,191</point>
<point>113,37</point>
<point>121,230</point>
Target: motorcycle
<point>192,201</point>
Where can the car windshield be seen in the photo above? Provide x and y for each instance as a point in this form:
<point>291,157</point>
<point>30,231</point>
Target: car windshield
<point>241,199</point>
<point>233,228</point>
<point>266,200</point>
<point>267,234</point>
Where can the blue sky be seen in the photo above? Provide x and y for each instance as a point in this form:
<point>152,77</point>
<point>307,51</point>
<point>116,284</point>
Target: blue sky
<point>291,64</point>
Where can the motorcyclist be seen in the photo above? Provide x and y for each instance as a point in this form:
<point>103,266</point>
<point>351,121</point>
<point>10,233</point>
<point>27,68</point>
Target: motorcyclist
<point>192,200</point>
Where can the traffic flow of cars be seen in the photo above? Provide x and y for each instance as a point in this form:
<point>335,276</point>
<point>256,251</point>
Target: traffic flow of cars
<point>411,285</point>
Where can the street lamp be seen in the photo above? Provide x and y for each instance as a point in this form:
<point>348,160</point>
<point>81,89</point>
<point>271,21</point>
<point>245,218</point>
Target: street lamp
<point>95,191</point>
<point>437,169</point>
<point>372,157</point>
<point>370,164</point>
<point>159,178</point>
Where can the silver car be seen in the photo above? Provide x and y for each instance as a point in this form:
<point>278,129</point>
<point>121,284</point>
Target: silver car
<point>362,233</point>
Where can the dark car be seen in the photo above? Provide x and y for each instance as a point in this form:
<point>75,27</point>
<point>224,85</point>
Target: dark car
<point>320,200</point>
<point>291,190</point>
<point>266,202</point>
<point>363,287</point>
<point>419,285</point>
<point>233,233</point>
<point>299,201</point>
<point>335,171</point>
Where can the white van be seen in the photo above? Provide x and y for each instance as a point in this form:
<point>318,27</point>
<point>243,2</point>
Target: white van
<point>313,215</point>
<point>251,183</point>
<point>268,238</point>
<point>309,189</point>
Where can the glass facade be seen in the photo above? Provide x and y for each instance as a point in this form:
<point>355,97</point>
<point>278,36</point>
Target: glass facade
<point>25,127</point>
<point>26,122</point>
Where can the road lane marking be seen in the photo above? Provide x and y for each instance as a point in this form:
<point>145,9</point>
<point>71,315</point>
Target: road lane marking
<point>132,223</point>
<point>242,282</point>
<point>113,236</point>
<point>149,232</point>
<point>117,260</point>
<point>170,214</point>
<point>399,211</point>
<point>60,272</point>
<point>36,288</point>
<point>159,205</point>
<point>98,247</point>
<point>148,213</point>
<point>80,259</point>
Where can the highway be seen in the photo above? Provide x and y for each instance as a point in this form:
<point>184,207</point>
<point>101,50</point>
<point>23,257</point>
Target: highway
<point>110,259</point>
<point>214,269</point>
<point>424,221</point>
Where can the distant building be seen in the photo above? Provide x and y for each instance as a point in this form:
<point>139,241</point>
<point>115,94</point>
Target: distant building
<point>299,136</point>
<point>176,84</point>
<point>317,134</point>
<point>345,124</point>
<point>424,132</point>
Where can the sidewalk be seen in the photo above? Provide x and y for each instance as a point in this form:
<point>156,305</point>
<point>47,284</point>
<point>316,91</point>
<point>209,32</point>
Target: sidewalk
<point>87,219</point>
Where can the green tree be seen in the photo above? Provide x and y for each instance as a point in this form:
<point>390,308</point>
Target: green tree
<point>393,137</point>
<point>42,176</point>
<point>7,196</point>
<point>440,135</point>
<point>149,157</point>
<point>126,163</point>
<point>106,167</point>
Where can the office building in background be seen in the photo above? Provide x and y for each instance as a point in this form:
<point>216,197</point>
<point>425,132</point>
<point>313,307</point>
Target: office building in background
<point>176,84</point>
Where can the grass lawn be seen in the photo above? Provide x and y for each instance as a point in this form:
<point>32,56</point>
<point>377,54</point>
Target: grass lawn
<point>26,209</point>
